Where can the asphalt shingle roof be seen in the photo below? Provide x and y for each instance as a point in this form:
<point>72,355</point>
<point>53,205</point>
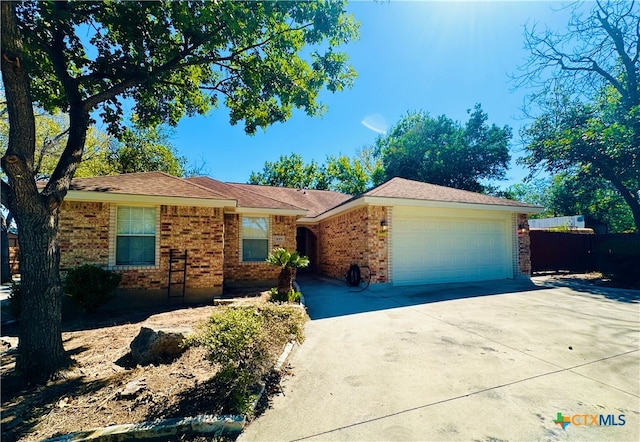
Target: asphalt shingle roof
<point>409,189</point>
<point>145,183</point>
<point>314,201</point>
<point>245,198</point>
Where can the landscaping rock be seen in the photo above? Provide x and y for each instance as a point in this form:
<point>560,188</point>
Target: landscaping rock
<point>155,345</point>
<point>132,389</point>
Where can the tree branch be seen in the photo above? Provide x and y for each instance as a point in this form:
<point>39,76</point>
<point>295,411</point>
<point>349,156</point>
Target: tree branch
<point>177,63</point>
<point>47,144</point>
<point>631,96</point>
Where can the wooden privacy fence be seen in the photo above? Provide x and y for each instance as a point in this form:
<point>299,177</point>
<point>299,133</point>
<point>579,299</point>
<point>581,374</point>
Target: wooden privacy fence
<point>579,253</point>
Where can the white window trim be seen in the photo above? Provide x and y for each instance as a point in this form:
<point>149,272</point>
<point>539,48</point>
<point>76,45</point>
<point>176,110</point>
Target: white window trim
<point>113,221</point>
<point>269,236</point>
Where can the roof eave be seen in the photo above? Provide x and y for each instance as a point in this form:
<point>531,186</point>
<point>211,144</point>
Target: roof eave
<point>354,204</point>
<point>128,198</point>
<point>391,201</point>
<point>270,211</point>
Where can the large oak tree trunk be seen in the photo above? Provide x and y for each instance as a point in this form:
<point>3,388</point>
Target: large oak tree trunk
<point>40,349</point>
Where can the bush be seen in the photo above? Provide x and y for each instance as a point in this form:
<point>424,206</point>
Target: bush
<point>293,296</point>
<point>245,342</point>
<point>90,287</point>
<point>14,300</point>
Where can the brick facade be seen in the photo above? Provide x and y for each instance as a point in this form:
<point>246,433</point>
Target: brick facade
<point>237,272</point>
<point>213,241</point>
<point>354,237</point>
<point>524,244</point>
<point>83,234</point>
<point>14,260</point>
<point>85,238</point>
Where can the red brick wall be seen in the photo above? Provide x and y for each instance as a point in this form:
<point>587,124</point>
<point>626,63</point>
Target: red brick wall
<point>199,231</point>
<point>14,260</point>
<point>83,234</point>
<point>238,272</point>
<point>524,245</point>
<point>84,239</point>
<point>354,237</point>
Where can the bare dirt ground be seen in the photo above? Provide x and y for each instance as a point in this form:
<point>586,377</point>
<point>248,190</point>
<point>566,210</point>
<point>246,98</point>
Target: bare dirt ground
<point>87,395</point>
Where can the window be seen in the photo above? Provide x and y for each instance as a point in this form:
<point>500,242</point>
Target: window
<point>136,236</point>
<point>255,238</point>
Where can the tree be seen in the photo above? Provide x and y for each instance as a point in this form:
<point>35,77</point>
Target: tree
<point>51,133</point>
<point>587,83</point>
<point>571,193</point>
<point>145,149</point>
<point>355,175</point>
<point>140,149</point>
<point>352,176</point>
<point>291,171</point>
<point>578,194</point>
<point>167,59</point>
<point>441,151</point>
<point>533,191</point>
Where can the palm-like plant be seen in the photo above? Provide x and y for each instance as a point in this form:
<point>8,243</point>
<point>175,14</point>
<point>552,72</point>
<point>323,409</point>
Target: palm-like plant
<point>289,262</point>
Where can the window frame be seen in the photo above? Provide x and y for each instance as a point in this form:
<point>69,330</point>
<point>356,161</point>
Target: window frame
<point>242,238</point>
<point>113,252</point>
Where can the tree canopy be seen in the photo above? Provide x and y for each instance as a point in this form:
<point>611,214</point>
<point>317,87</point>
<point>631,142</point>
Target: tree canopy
<point>587,87</point>
<point>51,133</point>
<point>145,149</point>
<point>138,150</point>
<point>341,173</point>
<point>165,59</point>
<point>442,151</point>
<point>357,174</point>
<point>291,171</point>
<point>570,193</point>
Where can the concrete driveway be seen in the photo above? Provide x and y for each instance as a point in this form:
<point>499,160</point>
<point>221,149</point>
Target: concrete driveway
<point>488,361</point>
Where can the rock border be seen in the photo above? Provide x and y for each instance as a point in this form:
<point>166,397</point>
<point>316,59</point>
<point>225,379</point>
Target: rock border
<point>204,424</point>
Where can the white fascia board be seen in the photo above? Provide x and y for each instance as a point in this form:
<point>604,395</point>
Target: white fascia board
<point>268,211</point>
<point>385,201</point>
<point>126,198</point>
<point>307,221</point>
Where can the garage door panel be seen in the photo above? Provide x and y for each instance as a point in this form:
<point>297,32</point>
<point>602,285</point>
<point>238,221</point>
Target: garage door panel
<point>449,249</point>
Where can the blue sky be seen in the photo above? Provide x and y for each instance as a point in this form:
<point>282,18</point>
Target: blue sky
<point>441,57</point>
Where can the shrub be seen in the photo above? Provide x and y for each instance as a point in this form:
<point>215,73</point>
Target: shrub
<point>245,342</point>
<point>90,286</point>
<point>293,296</point>
<point>274,296</point>
<point>14,300</point>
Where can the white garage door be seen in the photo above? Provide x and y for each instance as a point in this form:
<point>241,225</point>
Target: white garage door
<point>449,247</point>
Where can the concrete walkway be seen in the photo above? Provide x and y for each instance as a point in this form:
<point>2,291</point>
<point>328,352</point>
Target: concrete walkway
<point>489,361</point>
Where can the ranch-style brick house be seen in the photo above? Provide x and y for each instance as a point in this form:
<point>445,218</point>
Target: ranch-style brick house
<point>407,232</point>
